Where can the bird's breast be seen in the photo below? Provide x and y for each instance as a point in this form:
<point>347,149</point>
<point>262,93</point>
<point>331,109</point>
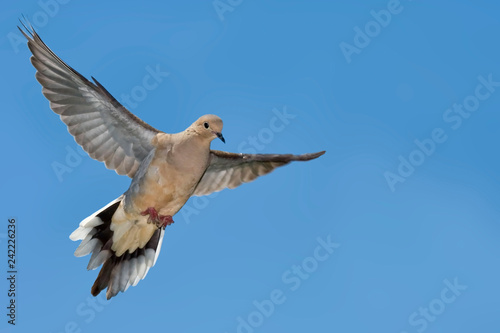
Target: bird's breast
<point>167,185</point>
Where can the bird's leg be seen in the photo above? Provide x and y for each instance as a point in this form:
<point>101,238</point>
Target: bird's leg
<point>165,220</point>
<point>153,214</point>
<point>161,221</point>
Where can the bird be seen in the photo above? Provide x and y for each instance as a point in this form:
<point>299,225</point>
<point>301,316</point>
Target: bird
<point>126,235</point>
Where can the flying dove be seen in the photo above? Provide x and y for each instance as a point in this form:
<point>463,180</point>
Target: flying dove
<point>125,237</point>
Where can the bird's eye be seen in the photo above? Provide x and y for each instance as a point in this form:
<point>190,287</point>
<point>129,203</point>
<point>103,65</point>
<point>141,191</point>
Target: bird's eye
<point>205,124</point>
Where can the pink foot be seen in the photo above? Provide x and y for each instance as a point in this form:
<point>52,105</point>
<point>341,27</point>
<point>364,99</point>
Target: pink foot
<point>161,221</point>
<point>153,214</point>
<point>166,220</point>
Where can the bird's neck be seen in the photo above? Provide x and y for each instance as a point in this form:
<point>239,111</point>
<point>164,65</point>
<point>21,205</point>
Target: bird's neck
<point>189,151</point>
<point>179,148</point>
<point>190,139</point>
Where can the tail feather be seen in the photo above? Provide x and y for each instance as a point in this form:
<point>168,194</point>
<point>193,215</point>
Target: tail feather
<point>96,219</point>
<point>99,256</point>
<point>103,278</point>
<point>118,273</point>
<point>88,245</point>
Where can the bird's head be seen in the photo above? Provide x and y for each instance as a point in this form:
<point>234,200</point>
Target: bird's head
<point>209,126</point>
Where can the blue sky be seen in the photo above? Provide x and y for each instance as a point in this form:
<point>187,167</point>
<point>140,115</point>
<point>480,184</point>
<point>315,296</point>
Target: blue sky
<point>395,229</point>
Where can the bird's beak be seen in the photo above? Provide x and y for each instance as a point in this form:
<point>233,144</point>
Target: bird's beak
<point>219,135</point>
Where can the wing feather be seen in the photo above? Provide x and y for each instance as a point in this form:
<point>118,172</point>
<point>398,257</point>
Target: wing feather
<point>105,129</point>
<point>230,170</point>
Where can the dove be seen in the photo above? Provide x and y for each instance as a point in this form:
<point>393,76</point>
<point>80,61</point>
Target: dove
<point>125,236</point>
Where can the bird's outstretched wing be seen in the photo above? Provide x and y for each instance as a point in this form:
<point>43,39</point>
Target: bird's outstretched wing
<point>229,170</point>
<point>105,129</point>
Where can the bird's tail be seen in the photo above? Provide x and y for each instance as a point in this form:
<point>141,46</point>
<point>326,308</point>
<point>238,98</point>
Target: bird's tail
<point>118,272</point>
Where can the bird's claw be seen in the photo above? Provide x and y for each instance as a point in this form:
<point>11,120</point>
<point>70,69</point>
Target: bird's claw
<point>161,221</point>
